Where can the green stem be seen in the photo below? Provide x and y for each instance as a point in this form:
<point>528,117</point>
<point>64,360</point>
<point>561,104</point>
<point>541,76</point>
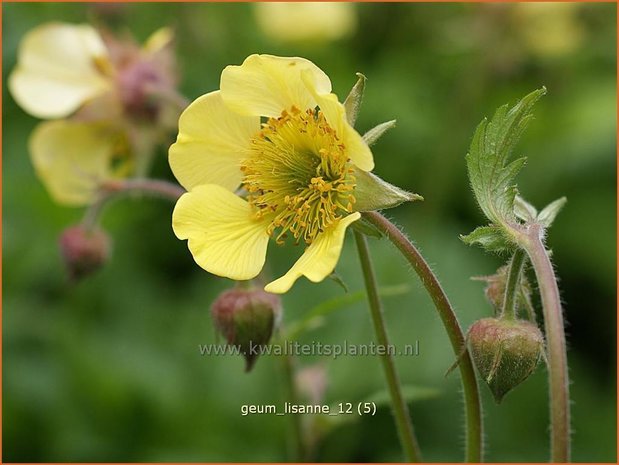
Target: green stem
<point>93,212</point>
<point>400,409</point>
<point>556,348</point>
<point>510,299</point>
<point>297,449</point>
<point>474,428</point>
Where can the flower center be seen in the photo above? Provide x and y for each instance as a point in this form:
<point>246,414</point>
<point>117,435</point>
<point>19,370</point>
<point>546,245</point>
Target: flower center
<point>298,174</point>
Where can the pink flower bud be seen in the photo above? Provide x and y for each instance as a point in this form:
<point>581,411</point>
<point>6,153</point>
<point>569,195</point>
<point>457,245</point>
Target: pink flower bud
<point>495,288</point>
<point>144,76</point>
<point>247,318</point>
<point>135,81</point>
<point>506,352</point>
<point>84,251</point>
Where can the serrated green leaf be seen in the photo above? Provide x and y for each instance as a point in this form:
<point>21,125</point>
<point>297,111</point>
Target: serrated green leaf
<point>491,238</point>
<point>352,104</point>
<point>491,176</point>
<point>377,132</point>
<point>547,216</point>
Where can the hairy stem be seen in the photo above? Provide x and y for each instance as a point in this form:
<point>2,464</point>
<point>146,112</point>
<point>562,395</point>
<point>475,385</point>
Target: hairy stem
<point>555,344</point>
<point>510,299</point>
<point>153,187</point>
<point>474,428</point>
<point>112,189</point>
<point>400,409</point>
<point>528,306</point>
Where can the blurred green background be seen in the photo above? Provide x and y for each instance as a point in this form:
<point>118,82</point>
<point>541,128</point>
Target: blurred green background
<point>109,369</point>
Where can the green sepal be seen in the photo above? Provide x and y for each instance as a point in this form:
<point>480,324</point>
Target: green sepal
<point>547,216</point>
<point>352,104</point>
<point>377,132</point>
<point>334,276</point>
<point>528,213</point>
<point>372,193</point>
<point>524,210</point>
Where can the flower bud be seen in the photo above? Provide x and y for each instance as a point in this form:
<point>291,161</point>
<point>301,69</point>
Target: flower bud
<point>84,251</point>
<point>247,318</point>
<point>506,352</point>
<point>495,287</point>
<point>144,76</point>
<point>134,81</point>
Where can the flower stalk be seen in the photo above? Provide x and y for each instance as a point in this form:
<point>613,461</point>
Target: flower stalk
<point>112,189</point>
<point>153,187</point>
<point>400,409</point>
<point>474,427</point>
<point>555,346</point>
<point>512,288</point>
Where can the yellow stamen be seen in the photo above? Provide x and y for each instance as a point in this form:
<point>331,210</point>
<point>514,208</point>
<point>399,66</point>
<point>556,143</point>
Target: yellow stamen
<point>299,174</point>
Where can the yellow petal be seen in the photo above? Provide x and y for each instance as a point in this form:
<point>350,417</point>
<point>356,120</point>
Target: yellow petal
<point>57,69</point>
<point>265,85</point>
<point>73,158</point>
<point>356,148</point>
<point>318,260</point>
<point>224,238</point>
<point>335,113</point>
<point>158,40</point>
<point>212,141</point>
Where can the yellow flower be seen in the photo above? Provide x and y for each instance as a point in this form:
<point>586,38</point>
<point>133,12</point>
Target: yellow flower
<point>74,158</point>
<point>291,178</point>
<point>60,66</point>
<point>306,21</point>
<point>549,29</point>
<point>66,70</point>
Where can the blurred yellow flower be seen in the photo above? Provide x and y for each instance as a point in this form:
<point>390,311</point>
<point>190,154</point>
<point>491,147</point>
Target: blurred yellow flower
<point>60,66</point>
<point>102,84</point>
<point>295,171</point>
<point>306,21</point>
<point>549,29</point>
<point>73,158</point>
